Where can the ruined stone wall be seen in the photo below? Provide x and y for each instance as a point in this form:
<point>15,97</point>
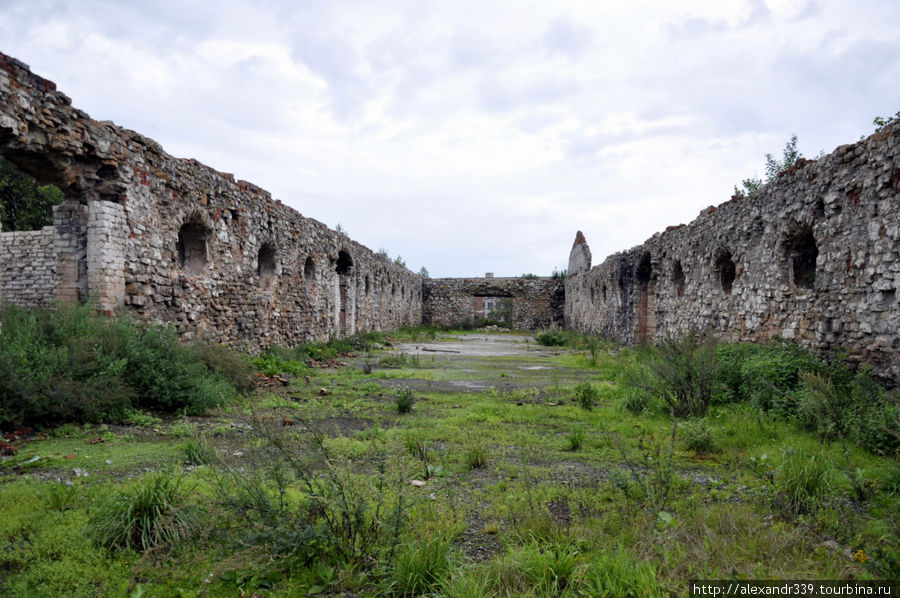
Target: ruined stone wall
<point>536,303</point>
<point>172,240</point>
<point>28,267</point>
<point>813,256</point>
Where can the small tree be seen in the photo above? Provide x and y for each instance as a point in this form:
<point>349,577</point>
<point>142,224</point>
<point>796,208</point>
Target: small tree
<point>789,157</point>
<point>25,205</point>
<point>423,272</point>
<point>400,261</point>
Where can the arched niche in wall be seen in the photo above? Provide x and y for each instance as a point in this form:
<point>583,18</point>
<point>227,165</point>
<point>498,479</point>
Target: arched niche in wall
<point>191,247</point>
<point>267,266</point>
<point>726,269</point>
<point>801,252</point>
<point>309,270</point>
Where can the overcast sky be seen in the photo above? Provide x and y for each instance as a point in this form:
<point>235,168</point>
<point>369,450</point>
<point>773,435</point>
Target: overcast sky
<point>476,136</point>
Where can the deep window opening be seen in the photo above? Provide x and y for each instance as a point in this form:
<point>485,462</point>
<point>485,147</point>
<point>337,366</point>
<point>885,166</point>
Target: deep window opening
<point>678,279</point>
<point>645,269</point>
<point>266,266</point>
<point>726,269</point>
<point>344,264</point>
<point>191,248</point>
<point>802,253</point>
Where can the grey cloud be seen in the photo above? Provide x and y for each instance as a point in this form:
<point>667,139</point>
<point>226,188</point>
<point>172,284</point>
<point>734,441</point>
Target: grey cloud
<point>338,63</point>
<point>565,37</point>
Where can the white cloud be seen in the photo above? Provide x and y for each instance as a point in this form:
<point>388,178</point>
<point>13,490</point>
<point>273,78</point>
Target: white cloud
<point>474,136</point>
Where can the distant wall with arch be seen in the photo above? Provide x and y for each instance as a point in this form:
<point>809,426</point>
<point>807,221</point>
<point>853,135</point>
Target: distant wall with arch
<point>813,256</point>
<point>172,240</point>
<point>527,303</point>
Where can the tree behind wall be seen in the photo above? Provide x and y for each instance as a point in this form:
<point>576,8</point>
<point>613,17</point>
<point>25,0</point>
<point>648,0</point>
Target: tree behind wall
<point>25,205</point>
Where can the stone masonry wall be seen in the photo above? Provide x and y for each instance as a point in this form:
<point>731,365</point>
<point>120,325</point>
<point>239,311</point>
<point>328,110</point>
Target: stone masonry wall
<point>537,303</point>
<point>172,240</point>
<point>28,267</point>
<point>813,256</point>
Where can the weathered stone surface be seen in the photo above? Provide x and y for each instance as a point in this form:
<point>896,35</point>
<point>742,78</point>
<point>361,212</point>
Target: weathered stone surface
<point>173,240</point>
<point>813,257</point>
<point>580,256</point>
<point>536,302</point>
<point>28,267</point>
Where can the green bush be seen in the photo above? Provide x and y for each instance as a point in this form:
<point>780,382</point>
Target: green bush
<point>68,364</point>
<point>698,437</point>
<point>552,338</point>
<point>404,400</point>
<point>767,374</point>
<point>682,372</point>
<point>147,513</point>
<point>235,367</point>
<point>586,394</point>
<point>636,400</point>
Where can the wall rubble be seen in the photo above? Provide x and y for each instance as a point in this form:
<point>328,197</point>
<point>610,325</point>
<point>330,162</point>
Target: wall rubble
<point>813,256</point>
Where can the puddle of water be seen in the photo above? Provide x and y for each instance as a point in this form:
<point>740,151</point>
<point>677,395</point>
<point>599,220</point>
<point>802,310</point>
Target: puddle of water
<point>535,367</point>
<point>467,384</point>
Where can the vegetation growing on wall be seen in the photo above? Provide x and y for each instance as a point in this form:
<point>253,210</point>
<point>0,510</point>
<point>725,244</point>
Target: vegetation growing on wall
<point>789,157</point>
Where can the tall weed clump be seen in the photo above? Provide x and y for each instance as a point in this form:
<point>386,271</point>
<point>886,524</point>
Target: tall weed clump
<point>148,513</point>
<point>68,364</point>
<point>682,372</point>
<point>802,481</point>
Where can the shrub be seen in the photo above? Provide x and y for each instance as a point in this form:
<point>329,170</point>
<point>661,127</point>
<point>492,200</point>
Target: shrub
<point>683,374</point>
<point>404,400</point>
<point>552,338</point>
<point>698,437</point>
<point>147,513</point>
<point>636,400</point>
<point>228,363</point>
<point>586,394</point>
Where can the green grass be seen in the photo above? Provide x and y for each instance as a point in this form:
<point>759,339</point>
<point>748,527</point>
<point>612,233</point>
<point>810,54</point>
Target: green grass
<point>520,491</point>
